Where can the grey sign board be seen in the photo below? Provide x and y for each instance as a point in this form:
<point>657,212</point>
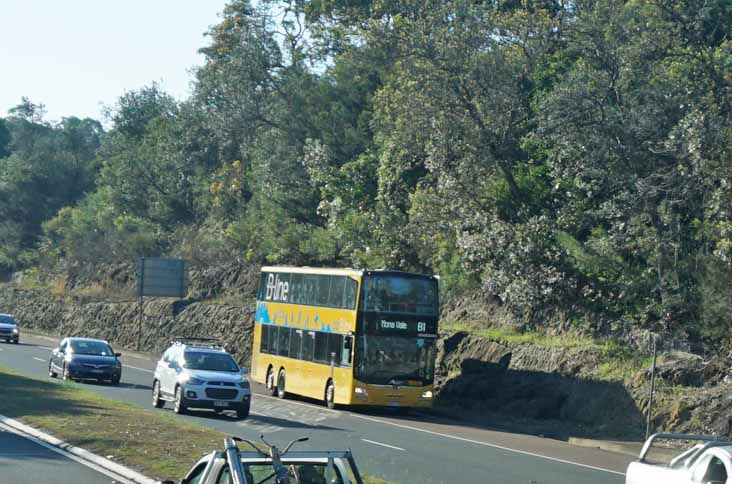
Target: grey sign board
<point>161,277</point>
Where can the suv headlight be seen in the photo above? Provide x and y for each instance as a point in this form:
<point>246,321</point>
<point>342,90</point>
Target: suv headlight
<point>15,330</point>
<point>195,381</point>
<point>244,384</point>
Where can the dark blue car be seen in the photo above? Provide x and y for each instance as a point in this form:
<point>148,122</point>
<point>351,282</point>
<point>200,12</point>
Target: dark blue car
<point>85,359</point>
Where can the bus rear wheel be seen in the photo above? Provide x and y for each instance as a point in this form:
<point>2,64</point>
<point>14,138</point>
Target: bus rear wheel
<point>330,395</point>
<point>270,382</point>
<point>281,384</point>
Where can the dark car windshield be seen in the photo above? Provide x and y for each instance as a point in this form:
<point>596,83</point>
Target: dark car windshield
<point>6,320</point>
<point>98,348</point>
<point>199,360</point>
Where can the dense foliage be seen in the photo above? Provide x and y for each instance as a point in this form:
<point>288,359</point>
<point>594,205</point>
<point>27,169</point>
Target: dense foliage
<point>565,155</point>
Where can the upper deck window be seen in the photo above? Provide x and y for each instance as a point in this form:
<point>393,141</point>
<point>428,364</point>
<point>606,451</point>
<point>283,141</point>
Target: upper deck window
<point>400,294</point>
<point>308,289</point>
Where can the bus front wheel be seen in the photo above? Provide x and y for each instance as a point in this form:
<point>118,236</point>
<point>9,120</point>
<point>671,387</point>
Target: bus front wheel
<point>271,387</point>
<point>330,395</point>
<point>281,384</point>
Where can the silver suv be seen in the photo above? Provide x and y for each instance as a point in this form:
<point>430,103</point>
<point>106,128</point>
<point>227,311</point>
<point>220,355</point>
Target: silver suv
<point>9,329</point>
<point>199,373</point>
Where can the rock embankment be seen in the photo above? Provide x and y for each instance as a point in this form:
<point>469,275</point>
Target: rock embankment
<point>119,322</point>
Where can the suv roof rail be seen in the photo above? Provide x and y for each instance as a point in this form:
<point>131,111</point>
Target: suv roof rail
<point>198,342</point>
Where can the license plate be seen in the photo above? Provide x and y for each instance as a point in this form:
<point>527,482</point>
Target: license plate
<point>221,404</point>
<point>394,404</point>
<point>97,371</point>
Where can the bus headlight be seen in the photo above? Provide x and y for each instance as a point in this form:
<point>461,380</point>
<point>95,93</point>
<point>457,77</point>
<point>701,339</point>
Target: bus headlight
<point>427,394</point>
<point>360,391</point>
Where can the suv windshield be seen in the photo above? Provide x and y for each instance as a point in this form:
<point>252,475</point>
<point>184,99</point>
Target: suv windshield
<point>98,348</point>
<point>199,360</point>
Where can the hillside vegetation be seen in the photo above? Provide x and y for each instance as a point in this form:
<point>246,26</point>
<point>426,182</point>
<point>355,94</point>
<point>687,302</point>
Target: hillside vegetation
<point>567,158</point>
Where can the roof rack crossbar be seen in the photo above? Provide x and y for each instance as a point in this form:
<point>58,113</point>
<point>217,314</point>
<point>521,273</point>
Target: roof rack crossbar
<point>715,439</point>
<point>198,341</point>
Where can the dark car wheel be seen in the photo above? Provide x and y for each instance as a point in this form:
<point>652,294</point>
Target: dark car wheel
<point>115,381</point>
<point>156,400</point>
<point>179,405</point>
<point>281,393</point>
<point>51,373</point>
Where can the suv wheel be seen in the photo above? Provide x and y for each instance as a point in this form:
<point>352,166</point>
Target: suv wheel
<point>281,384</point>
<point>156,400</point>
<point>179,406</point>
<point>65,373</point>
<point>271,387</point>
<point>51,373</point>
<point>242,411</point>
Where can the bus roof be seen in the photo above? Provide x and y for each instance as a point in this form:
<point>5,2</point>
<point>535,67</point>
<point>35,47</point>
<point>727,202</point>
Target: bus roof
<point>340,272</point>
<point>314,270</point>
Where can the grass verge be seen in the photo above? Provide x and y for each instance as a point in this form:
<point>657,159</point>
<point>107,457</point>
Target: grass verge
<point>618,362</point>
<point>133,436</point>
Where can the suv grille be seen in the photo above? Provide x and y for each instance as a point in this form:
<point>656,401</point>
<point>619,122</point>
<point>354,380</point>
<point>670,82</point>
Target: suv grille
<point>223,393</point>
<point>222,383</point>
<point>5,330</point>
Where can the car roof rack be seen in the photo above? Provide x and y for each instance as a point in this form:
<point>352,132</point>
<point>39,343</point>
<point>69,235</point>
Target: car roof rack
<point>195,342</point>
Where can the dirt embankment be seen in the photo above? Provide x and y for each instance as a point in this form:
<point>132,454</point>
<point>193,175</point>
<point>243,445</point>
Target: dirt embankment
<point>552,390</point>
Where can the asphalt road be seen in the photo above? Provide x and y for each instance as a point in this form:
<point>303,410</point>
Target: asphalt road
<point>24,461</point>
<point>410,450</point>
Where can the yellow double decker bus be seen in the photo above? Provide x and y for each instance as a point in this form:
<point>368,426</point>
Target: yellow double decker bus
<point>345,336</point>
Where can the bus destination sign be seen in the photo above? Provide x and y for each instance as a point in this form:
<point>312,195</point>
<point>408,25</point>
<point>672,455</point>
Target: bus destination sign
<point>403,325</point>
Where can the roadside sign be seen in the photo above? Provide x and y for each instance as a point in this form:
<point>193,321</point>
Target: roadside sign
<point>162,277</point>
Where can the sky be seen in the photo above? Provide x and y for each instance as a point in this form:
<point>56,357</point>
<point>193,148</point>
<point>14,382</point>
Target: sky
<point>75,56</point>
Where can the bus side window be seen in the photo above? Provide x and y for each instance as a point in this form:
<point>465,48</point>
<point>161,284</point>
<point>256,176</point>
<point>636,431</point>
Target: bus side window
<point>337,287</point>
<point>335,348</point>
<point>295,343</point>
<point>323,287</point>
<point>347,350</point>
<point>296,289</point>
<point>349,301</point>
<point>321,348</point>
<point>283,341</point>
<point>308,345</point>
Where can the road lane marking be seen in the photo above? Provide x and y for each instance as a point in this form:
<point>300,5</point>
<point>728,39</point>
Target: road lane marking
<point>307,405</point>
<point>39,359</point>
<point>138,369</point>
<point>66,454</point>
<point>383,445</point>
<point>486,444</point>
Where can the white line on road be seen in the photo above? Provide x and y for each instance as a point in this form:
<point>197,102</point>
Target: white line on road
<point>68,455</point>
<point>138,369</point>
<point>383,445</point>
<point>307,405</point>
<point>39,359</point>
<point>438,434</point>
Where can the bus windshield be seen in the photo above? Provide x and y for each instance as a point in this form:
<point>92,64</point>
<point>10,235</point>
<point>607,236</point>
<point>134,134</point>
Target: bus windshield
<point>399,294</point>
<point>395,360</point>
